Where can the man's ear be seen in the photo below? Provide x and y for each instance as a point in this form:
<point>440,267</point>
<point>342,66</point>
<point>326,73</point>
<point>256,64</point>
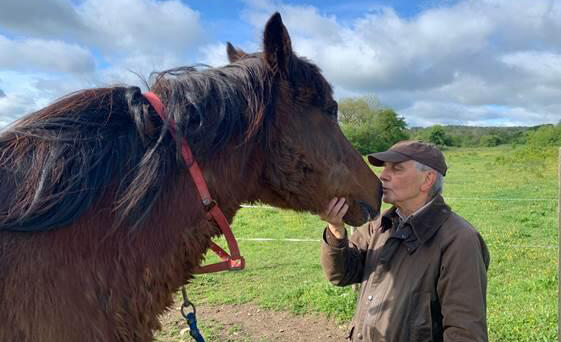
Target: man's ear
<point>430,178</point>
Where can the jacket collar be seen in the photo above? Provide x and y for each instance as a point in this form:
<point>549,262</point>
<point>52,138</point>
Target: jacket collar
<point>424,224</point>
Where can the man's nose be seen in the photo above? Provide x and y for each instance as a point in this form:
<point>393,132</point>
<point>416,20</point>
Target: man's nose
<point>384,175</point>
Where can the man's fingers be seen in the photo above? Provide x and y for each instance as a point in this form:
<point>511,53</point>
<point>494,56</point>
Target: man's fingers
<point>330,206</point>
<point>338,206</point>
<point>325,215</point>
<point>343,211</point>
<point>336,209</point>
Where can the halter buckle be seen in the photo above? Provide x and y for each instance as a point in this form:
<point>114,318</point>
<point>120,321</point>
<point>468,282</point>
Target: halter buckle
<point>208,204</point>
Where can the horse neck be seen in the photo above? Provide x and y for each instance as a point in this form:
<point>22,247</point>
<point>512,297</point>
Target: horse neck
<point>233,176</point>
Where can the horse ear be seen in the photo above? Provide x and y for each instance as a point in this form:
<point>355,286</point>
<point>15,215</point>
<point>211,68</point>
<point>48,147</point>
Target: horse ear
<point>234,54</point>
<point>277,46</point>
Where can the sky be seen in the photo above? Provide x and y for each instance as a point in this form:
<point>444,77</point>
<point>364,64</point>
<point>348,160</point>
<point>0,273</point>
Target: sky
<point>463,62</point>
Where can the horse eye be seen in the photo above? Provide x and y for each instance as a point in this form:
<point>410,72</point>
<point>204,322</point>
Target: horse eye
<point>332,109</point>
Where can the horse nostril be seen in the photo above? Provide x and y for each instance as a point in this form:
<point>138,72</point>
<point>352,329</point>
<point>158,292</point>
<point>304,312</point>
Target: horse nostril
<point>372,213</point>
<point>367,210</point>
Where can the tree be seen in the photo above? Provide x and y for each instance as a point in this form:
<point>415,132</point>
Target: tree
<point>438,136</point>
<point>390,128</point>
<point>357,110</point>
<point>369,127</point>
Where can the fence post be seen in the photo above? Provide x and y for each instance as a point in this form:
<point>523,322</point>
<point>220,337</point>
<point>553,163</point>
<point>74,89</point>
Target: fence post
<point>559,253</point>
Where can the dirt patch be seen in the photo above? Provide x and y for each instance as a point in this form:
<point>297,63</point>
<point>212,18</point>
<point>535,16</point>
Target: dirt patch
<point>248,322</point>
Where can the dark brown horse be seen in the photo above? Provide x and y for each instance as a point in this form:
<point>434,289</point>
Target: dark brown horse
<point>99,221</point>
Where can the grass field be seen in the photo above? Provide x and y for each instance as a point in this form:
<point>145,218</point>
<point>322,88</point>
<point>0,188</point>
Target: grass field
<point>509,195</point>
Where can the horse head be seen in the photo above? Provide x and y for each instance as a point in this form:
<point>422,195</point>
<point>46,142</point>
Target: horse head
<point>308,160</point>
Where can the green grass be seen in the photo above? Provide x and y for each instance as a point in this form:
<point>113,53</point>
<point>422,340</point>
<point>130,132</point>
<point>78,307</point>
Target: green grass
<point>521,235</point>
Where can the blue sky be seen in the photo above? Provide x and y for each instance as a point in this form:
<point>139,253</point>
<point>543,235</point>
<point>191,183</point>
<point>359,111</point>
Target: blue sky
<point>462,62</point>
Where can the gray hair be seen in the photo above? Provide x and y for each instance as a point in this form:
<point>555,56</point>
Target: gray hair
<point>438,184</point>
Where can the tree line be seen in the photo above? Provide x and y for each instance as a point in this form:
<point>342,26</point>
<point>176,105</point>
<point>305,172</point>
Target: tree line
<point>371,127</point>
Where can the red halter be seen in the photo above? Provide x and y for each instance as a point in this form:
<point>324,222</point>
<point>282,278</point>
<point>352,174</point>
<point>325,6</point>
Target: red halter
<point>235,261</point>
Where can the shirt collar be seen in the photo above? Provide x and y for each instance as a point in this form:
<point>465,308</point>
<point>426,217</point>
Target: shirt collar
<point>404,218</point>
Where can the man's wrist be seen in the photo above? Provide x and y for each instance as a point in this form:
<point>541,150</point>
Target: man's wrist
<point>338,231</point>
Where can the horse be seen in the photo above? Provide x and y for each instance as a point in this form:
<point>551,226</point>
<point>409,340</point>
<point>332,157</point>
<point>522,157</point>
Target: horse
<point>99,222</point>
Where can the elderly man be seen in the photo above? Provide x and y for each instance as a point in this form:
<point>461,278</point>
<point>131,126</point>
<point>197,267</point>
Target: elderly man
<point>422,267</point>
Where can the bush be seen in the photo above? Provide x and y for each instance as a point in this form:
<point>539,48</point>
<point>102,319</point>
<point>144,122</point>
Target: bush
<point>547,135</point>
<point>490,140</point>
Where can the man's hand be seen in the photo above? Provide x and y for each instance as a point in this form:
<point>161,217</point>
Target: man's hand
<point>333,215</point>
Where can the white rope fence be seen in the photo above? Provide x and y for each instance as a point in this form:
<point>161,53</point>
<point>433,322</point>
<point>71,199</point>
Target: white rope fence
<point>318,241</point>
<point>498,199</point>
<point>448,198</point>
<point>275,240</point>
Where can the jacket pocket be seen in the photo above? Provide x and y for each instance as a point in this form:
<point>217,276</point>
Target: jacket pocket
<point>421,318</point>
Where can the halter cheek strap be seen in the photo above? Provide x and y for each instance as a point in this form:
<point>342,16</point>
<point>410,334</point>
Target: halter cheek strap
<point>229,262</point>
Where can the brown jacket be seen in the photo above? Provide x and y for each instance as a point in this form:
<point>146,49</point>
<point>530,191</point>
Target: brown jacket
<point>422,280</point>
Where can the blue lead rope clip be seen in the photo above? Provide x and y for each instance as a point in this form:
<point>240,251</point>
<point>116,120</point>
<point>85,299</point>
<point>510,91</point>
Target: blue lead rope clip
<point>191,318</point>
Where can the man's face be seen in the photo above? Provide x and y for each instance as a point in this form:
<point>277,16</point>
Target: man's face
<point>401,182</point>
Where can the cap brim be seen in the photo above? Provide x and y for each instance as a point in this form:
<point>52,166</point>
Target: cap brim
<point>378,159</point>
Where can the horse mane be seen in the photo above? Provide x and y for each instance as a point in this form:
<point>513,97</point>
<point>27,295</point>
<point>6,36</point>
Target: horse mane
<point>57,162</point>
<point>213,105</point>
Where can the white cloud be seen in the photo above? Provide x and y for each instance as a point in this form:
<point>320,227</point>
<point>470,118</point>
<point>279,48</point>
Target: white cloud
<point>14,106</point>
<point>427,113</point>
<point>382,50</point>
<point>544,67</point>
<point>128,27</point>
<point>448,64</point>
<point>115,27</point>
<point>44,55</point>
<point>301,21</point>
<point>132,69</point>
<point>44,18</point>
<point>21,96</point>
<point>60,47</point>
<point>30,91</point>
<point>215,55</point>
<point>470,61</point>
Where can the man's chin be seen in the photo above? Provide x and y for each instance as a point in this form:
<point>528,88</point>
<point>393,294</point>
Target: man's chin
<point>387,199</point>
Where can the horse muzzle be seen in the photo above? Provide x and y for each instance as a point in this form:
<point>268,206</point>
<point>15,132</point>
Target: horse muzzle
<point>359,213</point>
